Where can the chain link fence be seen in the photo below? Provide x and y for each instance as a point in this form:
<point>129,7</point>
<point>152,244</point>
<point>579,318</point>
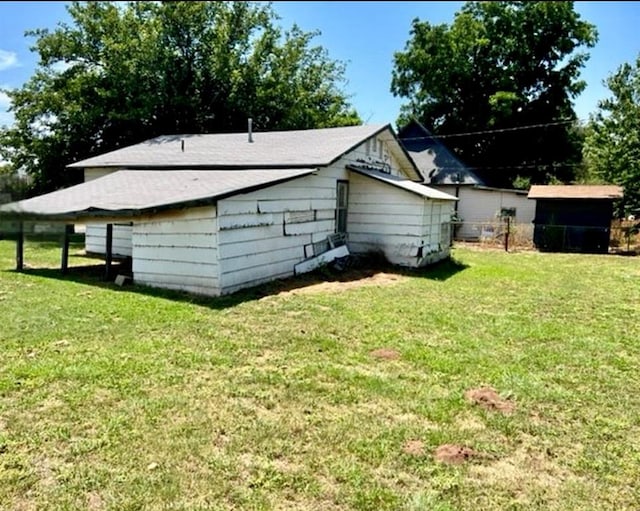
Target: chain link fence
<point>622,237</point>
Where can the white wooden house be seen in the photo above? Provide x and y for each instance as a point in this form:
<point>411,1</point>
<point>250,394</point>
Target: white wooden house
<point>212,214</point>
<point>479,205</point>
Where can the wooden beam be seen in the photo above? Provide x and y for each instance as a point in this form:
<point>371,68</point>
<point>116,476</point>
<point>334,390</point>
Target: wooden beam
<point>20,247</point>
<point>108,252</point>
<point>64,262</point>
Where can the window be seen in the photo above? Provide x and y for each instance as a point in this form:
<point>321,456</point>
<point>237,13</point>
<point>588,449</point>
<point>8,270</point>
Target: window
<point>342,201</point>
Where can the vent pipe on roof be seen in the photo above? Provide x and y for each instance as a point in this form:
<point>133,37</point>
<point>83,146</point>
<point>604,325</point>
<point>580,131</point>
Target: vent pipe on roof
<point>182,145</point>
<point>250,129</point>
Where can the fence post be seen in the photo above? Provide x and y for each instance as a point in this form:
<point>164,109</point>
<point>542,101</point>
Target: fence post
<point>20,247</point>
<point>506,235</point>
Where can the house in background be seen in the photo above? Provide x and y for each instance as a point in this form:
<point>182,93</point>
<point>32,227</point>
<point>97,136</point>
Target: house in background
<point>574,218</point>
<point>212,214</point>
<point>480,204</point>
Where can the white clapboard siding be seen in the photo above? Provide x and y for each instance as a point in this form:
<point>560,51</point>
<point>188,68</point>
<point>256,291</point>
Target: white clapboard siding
<point>404,226</point>
<point>481,206</point>
<point>178,251</point>
<point>294,214</point>
<point>96,239</point>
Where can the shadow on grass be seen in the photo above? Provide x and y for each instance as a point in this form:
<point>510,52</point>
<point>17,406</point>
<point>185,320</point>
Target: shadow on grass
<point>93,275</point>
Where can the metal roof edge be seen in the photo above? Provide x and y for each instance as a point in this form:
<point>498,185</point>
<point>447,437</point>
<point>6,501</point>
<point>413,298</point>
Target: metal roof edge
<point>390,182</point>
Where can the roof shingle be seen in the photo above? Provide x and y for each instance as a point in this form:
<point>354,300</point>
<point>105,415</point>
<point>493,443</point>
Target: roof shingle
<point>301,148</point>
<point>130,191</point>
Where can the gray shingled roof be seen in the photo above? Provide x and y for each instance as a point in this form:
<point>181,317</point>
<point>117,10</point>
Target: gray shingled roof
<point>575,192</point>
<point>302,148</point>
<point>436,162</point>
<point>128,192</point>
<point>405,184</point>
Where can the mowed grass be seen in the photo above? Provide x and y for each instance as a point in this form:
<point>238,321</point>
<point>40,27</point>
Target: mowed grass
<point>130,398</point>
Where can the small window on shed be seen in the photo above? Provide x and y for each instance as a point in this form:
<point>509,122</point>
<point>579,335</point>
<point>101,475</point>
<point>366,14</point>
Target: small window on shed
<point>507,212</point>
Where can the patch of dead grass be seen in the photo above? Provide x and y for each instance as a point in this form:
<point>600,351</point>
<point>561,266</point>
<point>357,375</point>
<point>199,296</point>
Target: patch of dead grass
<point>385,354</point>
<point>526,472</point>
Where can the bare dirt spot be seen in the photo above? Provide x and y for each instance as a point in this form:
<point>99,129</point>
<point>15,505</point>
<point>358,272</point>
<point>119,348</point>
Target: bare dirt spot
<point>350,280</point>
<point>454,454</point>
<point>94,502</point>
<point>414,448</point>
<point>385,354</point>
<point>489,399</point>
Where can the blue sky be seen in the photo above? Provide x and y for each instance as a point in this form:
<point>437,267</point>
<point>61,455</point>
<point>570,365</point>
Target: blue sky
<point>365,35</point>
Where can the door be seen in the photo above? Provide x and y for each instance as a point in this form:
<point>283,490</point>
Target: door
<point>342,201</point>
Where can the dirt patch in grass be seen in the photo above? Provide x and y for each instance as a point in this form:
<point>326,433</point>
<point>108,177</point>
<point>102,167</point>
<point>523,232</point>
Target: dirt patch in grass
<point>489,399</point>
<point>94,502</point>
<point>414,447</point>
<point>349,280</point>
<point>454,454</point>
<point>385,354</point>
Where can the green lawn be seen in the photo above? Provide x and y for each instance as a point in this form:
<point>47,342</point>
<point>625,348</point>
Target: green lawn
<point>129,398</point>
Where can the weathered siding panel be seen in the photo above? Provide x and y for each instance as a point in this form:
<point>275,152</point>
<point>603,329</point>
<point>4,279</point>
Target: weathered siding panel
<point>179,251</point>
<point>263,233</point>
<point>405,227</point>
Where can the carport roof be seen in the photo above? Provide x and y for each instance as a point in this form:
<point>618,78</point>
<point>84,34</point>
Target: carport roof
<point>134,192</point>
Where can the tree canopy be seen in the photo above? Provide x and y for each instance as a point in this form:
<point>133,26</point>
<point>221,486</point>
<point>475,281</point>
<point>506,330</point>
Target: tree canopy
<point>498,67</point>
<point>123,73</point>
<point>612,144</point>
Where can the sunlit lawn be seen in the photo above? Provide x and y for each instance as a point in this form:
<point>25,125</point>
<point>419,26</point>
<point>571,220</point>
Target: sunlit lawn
<point>129,398</point>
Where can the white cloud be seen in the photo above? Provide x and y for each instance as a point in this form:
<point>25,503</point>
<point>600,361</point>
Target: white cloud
<point>8,59</point>
<point>6,118</point>
<point>61,66</point>
<point>4,100</point>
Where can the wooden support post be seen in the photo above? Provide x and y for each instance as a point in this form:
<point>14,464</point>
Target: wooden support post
<point>20,247</point>
<point>64,262</point>
<point>108,252</point>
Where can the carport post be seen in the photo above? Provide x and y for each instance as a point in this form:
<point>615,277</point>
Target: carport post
<point>64,263</point>
<point>108,252</point>
<point>20,247</point>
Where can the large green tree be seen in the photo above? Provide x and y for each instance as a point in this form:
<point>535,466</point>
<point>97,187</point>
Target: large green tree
<point>612,145</point>
<point>498,67</point>
<point>122,73</point>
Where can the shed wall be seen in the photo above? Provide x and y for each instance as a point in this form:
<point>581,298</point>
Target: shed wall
<point>408,229</point>
<point>178,251</point>
<point>263,234</point>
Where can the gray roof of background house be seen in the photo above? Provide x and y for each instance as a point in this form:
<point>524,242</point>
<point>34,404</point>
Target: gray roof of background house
<point>130,192</point>
<point>405,184</point>
<point>301,148</point>
<point>575,192</point>
<point>437,164</point>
